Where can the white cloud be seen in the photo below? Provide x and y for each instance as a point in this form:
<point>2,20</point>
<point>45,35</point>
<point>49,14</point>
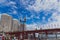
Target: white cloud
<point>38,17</point>
<point>49,25</point>
<point>44,4</point>
<point>52,25</point>
<point>2,1</point>
<point>31,26</point>
<point>58,7</point>
<point>33,16</point>
<point>56,16</point>
<point>14,12</point>
<point>11,2</point>
<point>43,17</point>
<point>49,19</point>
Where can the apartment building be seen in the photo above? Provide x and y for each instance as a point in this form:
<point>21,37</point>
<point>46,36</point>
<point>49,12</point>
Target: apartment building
<point>6,22</point>
<point>15,25</point>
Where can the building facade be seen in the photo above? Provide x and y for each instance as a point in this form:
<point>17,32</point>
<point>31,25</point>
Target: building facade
<point>22,27</point>
<point>1,28</point>
<point>6,22</point>
<point>15,26</point>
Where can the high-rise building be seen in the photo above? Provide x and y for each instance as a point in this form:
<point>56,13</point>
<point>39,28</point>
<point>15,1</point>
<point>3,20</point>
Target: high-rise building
<point>6,22</point>
<point>15,26</point>
<point>1,28</point>
<point>21,28</point>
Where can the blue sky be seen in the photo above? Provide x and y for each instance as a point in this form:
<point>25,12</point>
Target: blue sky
<point>36,11</point>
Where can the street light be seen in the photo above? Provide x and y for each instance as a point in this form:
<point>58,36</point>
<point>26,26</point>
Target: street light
<point>23,23</point>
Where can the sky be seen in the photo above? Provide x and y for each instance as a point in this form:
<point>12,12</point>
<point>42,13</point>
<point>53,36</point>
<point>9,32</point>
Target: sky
<point>37,12</point>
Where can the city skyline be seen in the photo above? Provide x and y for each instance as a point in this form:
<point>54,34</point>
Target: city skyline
<point>8,24</point>
<point>14,25</point>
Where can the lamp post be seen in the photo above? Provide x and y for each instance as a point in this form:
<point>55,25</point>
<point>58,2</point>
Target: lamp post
<point>23,24</point>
